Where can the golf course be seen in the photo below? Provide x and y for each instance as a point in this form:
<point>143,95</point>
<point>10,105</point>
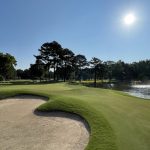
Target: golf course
<point>75,75</point>
<point>116,121</point>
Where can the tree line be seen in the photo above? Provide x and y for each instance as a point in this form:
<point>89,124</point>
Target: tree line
<point>58,63</point>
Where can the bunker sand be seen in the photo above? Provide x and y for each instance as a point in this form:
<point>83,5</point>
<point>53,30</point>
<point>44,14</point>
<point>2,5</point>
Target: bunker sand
<point>22,129</point>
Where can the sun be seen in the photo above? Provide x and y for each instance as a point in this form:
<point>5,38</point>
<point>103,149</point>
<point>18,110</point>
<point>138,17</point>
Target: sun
<point>129,19</point>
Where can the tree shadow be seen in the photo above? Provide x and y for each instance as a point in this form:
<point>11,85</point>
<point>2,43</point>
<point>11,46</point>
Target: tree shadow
<point>10,83</point>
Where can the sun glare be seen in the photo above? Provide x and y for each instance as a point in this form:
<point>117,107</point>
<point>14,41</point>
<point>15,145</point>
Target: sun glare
<point>129,19</point>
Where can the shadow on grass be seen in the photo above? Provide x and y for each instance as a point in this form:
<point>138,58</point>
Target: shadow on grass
<point>30,82</point>
<point>115,85</point>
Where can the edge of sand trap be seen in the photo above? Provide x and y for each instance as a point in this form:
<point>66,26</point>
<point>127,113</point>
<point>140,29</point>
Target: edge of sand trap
<point>23,128</point>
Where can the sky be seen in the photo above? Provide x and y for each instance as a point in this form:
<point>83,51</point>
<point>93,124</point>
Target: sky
<point>94,28</point>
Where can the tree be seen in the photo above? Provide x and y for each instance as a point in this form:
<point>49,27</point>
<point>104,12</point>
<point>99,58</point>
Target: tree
<point>102,70</point>
<point>80,62</point>
<point>7,64</point>
<point>37,69</point>
<point>26,74</point>
<point>118,70</point>
<point>67,61</point>
<point>20,73</point>
<point>95,62</point>
<point>109,68</point>
<point>50,54</point>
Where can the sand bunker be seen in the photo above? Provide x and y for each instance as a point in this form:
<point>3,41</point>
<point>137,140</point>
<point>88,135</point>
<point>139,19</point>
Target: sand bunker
<point>22,129</point>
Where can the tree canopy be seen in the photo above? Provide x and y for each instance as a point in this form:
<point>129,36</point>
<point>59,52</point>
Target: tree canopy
<point>7,64</point>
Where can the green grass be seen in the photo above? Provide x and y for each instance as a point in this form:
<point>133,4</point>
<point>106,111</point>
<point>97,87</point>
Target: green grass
<point>116,120</point>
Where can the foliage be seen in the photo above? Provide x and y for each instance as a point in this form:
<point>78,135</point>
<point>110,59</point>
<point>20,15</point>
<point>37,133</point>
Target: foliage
<point>1,78</point>
<point>23,74</point>
<point>96,64</point>
<point>7,63</point>
<point>37,70</point>
<point>61,60</point>
<point>80,62</point>
<point>50,54</point>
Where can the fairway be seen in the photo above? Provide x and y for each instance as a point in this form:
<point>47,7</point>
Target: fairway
<point>117,121</point>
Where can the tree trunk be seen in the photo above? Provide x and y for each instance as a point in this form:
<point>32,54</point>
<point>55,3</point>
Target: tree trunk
<point>57,71</point>
<point>80,75</point>
<point>49,75</point>
<point>65,73</point>
<point>54,74</point>
<point>95,77</point>
<point>48,71</point>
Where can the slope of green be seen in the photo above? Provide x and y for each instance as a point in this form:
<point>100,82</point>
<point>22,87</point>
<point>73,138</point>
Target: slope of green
<point>116,120</point>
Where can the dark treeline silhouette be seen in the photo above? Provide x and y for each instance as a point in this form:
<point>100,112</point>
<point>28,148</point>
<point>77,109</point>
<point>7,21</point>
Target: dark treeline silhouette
<point>7,63</point>
<point>64,65</point>
<point>60,64</point>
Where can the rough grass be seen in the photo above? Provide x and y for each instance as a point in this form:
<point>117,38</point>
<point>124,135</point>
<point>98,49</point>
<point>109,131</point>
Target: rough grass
<point>116,120</point>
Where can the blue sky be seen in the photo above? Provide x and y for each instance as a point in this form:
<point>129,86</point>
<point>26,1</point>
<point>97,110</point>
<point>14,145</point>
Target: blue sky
<point>94,28</point>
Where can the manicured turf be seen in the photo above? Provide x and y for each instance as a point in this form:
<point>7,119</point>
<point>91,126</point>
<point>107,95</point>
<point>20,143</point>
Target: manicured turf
<point>117,121</point>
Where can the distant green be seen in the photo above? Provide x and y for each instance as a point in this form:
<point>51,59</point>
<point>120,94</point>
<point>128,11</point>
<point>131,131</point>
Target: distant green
<point>117,121</point>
